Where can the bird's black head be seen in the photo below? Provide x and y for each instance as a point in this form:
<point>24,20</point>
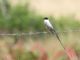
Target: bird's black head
<point>46,18</point>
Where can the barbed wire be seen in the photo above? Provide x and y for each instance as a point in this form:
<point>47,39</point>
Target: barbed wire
<point>36,33</point>
<point>30,33</point>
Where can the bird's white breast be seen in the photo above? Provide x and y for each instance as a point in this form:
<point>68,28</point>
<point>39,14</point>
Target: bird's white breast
<point>47,22</point>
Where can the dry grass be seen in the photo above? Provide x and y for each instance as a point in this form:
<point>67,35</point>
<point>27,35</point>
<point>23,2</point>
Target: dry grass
<point>53,7</point>
<point>56,7</point>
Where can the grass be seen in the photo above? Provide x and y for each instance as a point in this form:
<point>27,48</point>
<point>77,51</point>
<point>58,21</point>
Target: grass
<point>49,43</point>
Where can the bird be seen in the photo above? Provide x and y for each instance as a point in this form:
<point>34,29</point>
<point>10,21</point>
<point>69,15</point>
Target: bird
<point>49,26</point>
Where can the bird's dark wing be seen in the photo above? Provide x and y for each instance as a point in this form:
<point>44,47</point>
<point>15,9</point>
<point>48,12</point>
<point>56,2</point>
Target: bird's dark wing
<point>49,28</point>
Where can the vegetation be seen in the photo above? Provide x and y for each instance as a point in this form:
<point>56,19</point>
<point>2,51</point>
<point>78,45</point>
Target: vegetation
<point>21,19</point>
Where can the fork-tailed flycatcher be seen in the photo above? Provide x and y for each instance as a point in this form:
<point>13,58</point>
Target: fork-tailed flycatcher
<point>51,29</point>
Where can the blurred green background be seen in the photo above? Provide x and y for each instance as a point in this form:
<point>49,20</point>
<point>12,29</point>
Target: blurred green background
<point>21,19</point>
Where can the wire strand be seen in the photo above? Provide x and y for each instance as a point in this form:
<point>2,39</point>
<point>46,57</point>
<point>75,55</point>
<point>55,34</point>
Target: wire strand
<point>36,33</point>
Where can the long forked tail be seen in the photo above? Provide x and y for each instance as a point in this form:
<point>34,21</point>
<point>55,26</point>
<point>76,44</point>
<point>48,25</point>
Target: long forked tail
<point>54,32</point>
